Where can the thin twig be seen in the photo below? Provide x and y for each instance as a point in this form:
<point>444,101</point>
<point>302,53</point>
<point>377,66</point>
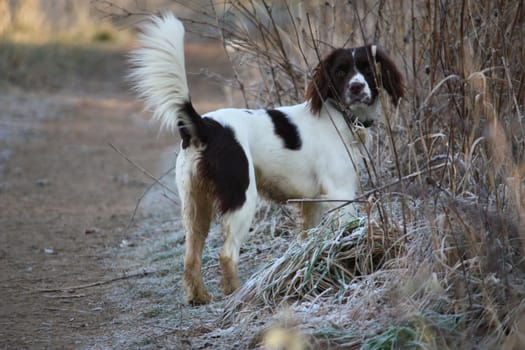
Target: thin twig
<point>144,195</point>
<point>364,195</point>
<point>112,11</point>
<point>144,171</point>
<point>67,296</point>
<point>100,283</point>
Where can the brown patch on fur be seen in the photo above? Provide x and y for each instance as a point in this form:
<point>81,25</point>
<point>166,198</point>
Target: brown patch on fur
<point>273,189</point>
<point>230,278</point>
<point>391,77</point>
<point>319,88</point>
<point>197,215</point>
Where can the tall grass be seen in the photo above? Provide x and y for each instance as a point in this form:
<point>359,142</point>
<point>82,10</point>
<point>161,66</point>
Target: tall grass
<point>437,258</point>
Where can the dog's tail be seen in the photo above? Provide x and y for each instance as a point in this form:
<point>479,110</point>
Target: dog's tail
<point>159,76</point>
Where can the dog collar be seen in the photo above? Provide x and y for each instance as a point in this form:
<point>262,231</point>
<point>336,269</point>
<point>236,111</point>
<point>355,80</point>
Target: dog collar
<point>349,116</point>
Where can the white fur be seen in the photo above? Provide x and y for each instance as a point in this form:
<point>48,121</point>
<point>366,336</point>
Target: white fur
<point>358,79</point>
<point>158,73</point>
<point>374,50</point>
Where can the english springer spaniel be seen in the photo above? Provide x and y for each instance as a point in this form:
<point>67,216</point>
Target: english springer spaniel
<point>229,156</point>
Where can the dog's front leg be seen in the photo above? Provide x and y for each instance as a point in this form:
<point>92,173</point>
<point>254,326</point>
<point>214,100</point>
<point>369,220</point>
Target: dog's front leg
<point>311,214</point>
<point>345,214</point>
<point>342,189</point>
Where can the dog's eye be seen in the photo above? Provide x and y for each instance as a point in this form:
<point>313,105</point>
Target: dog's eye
<point>340,74</point>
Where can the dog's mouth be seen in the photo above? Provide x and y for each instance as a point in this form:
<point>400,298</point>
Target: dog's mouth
<point>359,99</point>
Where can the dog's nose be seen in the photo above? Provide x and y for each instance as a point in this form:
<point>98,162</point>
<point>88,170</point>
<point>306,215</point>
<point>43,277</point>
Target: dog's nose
<point>356,88</point>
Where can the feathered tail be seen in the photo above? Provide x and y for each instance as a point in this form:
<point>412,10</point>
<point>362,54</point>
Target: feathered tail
<point>159,75</point>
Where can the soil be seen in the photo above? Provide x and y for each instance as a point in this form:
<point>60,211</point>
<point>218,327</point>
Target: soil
<point>75,271</point>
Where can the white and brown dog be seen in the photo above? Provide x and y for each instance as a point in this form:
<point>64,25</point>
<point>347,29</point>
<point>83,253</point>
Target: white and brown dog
<point>229,156</point>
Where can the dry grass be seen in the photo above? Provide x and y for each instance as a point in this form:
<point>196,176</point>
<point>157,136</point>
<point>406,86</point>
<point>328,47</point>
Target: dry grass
<point>435,262</point>
<point>319,266</point>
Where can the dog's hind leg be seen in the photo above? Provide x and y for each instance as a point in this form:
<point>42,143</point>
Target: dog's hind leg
<point>197,214</point>
<point>235,228</point>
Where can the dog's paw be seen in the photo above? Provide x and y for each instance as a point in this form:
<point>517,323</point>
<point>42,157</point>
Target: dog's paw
<point>199,299</point>
<point>230,286</point>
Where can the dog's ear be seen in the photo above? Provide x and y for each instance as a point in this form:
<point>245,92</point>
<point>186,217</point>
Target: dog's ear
<point>391,77</point>
<point>319,88</point>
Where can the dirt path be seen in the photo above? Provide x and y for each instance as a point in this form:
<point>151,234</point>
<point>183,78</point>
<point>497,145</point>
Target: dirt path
<point>66,199</point>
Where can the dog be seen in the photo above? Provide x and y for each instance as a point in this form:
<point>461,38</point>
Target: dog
<point>230,156</point>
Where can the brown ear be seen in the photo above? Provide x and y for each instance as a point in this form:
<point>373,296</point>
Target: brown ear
<point>319,88</point>
<point>391,77</point>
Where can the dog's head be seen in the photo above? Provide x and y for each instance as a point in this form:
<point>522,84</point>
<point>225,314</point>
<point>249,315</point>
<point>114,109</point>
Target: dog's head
<point>350,78</point>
